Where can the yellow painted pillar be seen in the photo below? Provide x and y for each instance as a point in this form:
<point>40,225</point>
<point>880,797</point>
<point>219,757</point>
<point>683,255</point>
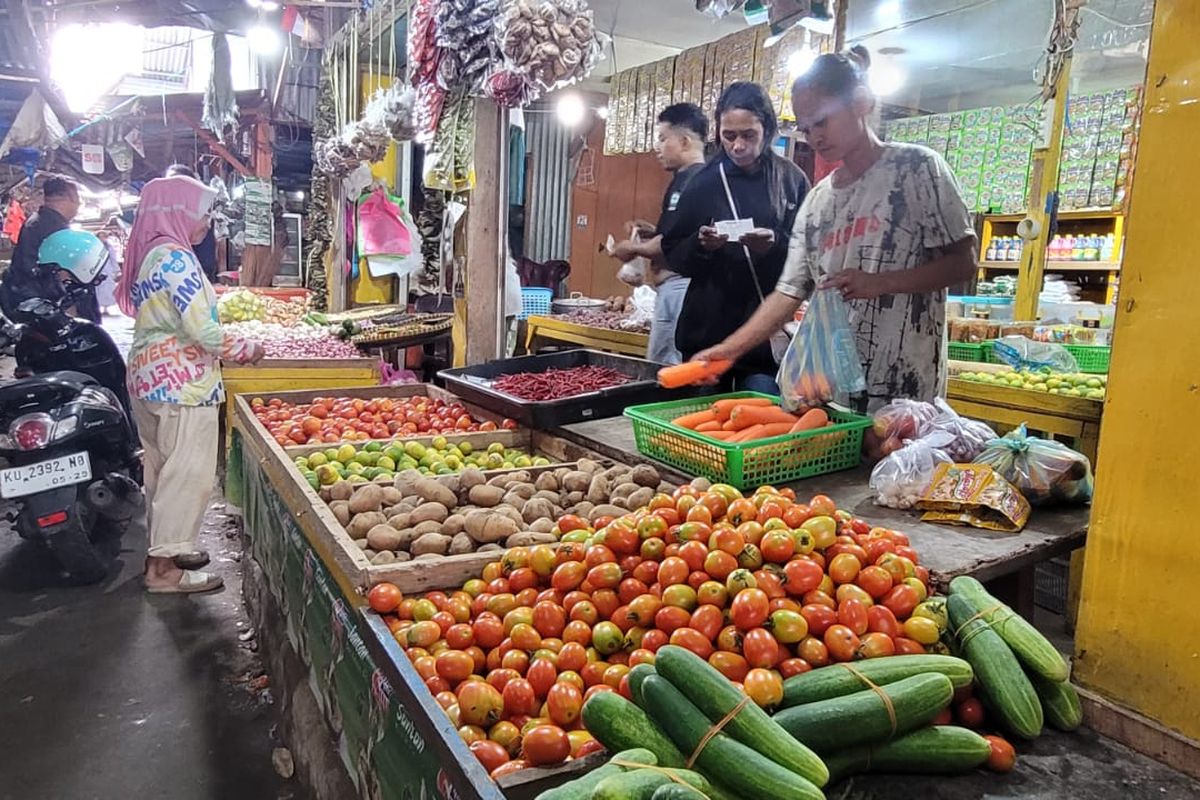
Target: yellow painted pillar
<point>1138,639</point>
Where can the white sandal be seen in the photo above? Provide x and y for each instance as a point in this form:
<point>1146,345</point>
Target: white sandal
<point>190,582</point>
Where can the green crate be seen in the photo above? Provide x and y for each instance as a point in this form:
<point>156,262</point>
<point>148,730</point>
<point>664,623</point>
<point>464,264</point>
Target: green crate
<point>747,466</point>
<point>1092,359</point>
<point>969,351</point>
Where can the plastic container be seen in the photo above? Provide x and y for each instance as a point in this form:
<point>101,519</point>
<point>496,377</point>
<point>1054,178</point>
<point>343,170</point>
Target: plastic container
<point>474,383</point>
<point>747,466</point>
<point>535,301</point>
<point>968,351</point>
<point>1092,359</point>
<point>999,309</point>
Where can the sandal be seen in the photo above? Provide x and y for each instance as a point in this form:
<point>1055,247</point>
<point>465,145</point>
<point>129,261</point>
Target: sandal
<point>190,582</point>
<point>193,560</point>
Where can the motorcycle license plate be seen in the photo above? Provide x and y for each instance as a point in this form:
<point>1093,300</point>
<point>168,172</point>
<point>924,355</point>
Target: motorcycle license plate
<point>34,478</point>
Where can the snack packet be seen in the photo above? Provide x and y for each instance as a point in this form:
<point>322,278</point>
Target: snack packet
<point>974,495</point>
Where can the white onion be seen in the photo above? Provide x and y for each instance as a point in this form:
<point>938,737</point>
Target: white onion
<point>280,341</point>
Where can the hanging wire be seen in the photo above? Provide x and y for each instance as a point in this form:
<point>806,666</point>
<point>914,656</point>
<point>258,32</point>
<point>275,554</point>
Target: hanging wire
<point>392,38</point>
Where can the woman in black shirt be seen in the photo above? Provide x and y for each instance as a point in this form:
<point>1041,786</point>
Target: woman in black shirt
<point>731,278</point>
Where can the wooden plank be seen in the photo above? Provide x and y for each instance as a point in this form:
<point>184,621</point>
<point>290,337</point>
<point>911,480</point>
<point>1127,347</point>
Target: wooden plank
<point>1025,400</point>
<point>624,342</point>
<point>485,269</point>
<point>517,438</point>
<point>1140,733</point>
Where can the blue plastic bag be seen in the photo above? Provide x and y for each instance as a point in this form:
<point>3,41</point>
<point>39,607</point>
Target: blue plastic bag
<point>821,364</point>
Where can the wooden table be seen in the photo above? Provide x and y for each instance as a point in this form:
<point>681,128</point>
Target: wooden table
<point>1005,559</point>
<point>540,330</point>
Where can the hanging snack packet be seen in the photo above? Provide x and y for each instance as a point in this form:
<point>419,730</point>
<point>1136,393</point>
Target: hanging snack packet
<point>973,494</point>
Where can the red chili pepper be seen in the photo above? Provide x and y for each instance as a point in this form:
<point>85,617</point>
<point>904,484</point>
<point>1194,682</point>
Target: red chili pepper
<point>555,384</point>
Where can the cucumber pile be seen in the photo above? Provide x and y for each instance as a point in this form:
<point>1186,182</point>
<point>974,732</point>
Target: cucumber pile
<point>1023,678</point>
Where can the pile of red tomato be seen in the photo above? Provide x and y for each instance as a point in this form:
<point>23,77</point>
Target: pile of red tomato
<point>763,587</point>
<point>337,419</point>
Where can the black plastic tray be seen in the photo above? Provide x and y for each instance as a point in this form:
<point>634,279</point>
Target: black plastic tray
<point>474,384</point>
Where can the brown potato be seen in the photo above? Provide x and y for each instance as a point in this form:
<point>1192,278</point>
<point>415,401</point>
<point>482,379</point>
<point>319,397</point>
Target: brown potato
<point>341,490</point>
<point>341,511</point>
<point>368,497</point>
<point>471,476</point>
<point>429,511</point>
<point>435,492</point>
<point>645,475</point>
<point>486,496</point>
<point>383,537</point>
<point>461,544</point>
<point>435,543</point>
<point>361,523</point>
<point>454,524</point>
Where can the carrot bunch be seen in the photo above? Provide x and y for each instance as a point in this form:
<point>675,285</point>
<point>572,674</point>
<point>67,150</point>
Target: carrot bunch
<point>747,419</point>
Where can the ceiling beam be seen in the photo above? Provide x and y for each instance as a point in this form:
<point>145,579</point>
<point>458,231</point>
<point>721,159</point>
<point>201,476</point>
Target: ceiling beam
<point>215,145</point>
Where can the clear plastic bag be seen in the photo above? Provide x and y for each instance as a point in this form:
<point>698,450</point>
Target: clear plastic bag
<point>901,478</point>
<point>1045,471</point>
<point>1020,352</point>
<point>967,438</point>
<point>821,364</point>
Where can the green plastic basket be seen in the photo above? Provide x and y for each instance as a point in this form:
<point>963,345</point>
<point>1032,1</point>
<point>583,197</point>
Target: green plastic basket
<point>1093,359</point>
<point>747,466</point>
<point>969,351</point>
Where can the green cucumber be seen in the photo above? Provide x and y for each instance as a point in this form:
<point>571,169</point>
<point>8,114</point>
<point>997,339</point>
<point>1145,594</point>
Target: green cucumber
<point>1029,646</point>
<point>581,788</point>
<point>940,750</point>
<point>863,717</point>
<point>738,769</point>
<point>620,725</point>
<point>713,694</point>
<point>677,791</point>
<point>1003,683</point>
<point>640,784</point>
<point>636,676</point>
<point>1060,702</point>
<point>837,680</point>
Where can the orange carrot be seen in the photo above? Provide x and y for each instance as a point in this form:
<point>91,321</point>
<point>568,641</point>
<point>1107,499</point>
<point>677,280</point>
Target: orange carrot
<point>722,408</point>
<point>813,418</point>
<point>723,436</point>
<point>746,433</point>
<point>745,416</point>
<point>695,418</point>
<point>711,425</point>
<point>727,425</point>
<point>768,430</point>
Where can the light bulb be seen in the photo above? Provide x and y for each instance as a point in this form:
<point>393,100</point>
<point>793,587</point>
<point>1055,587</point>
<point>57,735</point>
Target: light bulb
<point>570,110</point>
<point>799,62</point>
<point>263,40</point>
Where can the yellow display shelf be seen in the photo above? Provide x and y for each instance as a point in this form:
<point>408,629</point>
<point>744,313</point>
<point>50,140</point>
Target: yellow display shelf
<point>543,329</point>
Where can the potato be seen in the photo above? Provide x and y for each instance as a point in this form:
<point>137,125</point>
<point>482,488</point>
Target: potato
<point>428,526</point>
<point>402,556</point>
<point>623,491</point>
<point>383,557</point>
<point>395,512</point>
<point>664,488</point>
<point>487,527</point>
<point>615,473</point>
<point>392,496</point>
<point>361,523</point>
<point>471,476</point>
<point>571,498</point>
<point>530,539</point>
<point>605,510</point>
<point>577,481</point>
<point>454,524</point>
<point>583,508</point>
<point>429,511</point>
<point>436,543</point>
<point>645,475</point>
<point>599,490</point>
<point>588,465</point>
<point>382,480</point>
<point>561,473</point>
<point>491,547</point>
<point>522,490</point>
<point>542,526</point>
<point>412,501</point>
<point>407,480</point>
<point>369,553</point>
<point>460,544</point>
<point>367,498</point>
<point>639,498</point>
<point>549,497</point>
<point>501,481</point>
<point>546,482</point>
<point>701,484</point>
<point>325,494</point>
<point>341,490</point>
<point>535,509</point>
<point>383,537</point>
<point>512,513</point>
<point>451,482</point>
<point>361,544</point>
<point>513,499</point>
<point>400,521</point>
<point>407,537</point>
<point>427,557</point>
<point>341,511</point>
<point>486,496</point>
<point>434,492</point>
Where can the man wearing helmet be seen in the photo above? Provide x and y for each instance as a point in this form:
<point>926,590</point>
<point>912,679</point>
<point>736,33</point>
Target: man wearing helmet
<point>25,279</point>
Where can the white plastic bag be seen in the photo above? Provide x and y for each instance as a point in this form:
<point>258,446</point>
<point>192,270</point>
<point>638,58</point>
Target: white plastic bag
<point>821,364</point>
<point>900,479</point>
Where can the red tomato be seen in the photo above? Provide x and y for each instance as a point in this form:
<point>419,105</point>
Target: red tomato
<point>1002,756</point>
<point>647,571</point>
<point>694,640</point>
<point>579,632</point>
<point>491,754</point>
<point>844,568</point>
<point>875,581</point>
<point>731,665</point>
<point>749,609</point>
<point>479,703</point>
<point>629,589</point>
<point>623,539</point>
<point>668,619</point>
<point>460,636</point>
<point>777,546</point>
<point>814,651</point>
<point>944,717</point>
<point>708,620</point>
<point>673,570</point>
<point>384,598</point>
<point>718,564</point>
<point>712,593</point>
<point>819,618</point>
<point>880,619</point>
<point>454,666</point>
<point>876,645</point>
<point>654,639</point>
<point>907,647</point>
<point>519,697</point>
<point>500,677</point>
<point>730,639</point>
<point>771,582</point>
<point>901,600</point>
<point>793,666</point>
<point>760,648</point>
<point>842,642</point>
<point>546,744</point>
<point>606,602</point>
<point>695,531</point>
<point>568,575</point>
<point>969,713</point>
<point>605,576</point>
<point>549,619</point>
<point>564,702</point>
<point>613,673</point>
<point>572,657</point>
<point>853,614</point>
<point>541,675</point>
<point>741,510</point>
<point>801,576</point>
<point>515,659</point>
<point>764,687</point>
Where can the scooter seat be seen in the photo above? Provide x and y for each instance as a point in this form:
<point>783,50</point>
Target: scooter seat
<point>45,389</point>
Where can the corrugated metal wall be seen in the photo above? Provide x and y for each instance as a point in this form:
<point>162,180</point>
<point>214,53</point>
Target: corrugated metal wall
<point>547,186</point>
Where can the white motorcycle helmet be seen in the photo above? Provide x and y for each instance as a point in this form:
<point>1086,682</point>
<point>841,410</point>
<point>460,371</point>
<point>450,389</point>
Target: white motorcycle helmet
<point>79,253</point>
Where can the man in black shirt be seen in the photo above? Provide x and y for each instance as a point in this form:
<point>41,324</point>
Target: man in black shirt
<point>682,131</point>
<point>24,279</point>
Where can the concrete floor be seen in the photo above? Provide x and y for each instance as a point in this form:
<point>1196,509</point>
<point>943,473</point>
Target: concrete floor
<point>108,692</point>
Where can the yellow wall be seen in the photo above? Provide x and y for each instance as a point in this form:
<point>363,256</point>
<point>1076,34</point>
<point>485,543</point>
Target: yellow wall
<point>366,290</point>
<point>1138,639</point>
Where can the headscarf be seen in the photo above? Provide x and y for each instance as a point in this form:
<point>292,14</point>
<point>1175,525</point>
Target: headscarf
<point>167,214</point>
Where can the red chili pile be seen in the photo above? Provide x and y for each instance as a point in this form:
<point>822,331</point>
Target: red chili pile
<point>555,384</point>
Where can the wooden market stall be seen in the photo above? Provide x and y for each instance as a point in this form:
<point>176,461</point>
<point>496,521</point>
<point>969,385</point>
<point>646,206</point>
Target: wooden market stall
<point>552,330</point>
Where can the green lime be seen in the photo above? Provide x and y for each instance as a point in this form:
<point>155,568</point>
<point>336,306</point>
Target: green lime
<point>495,447</point>
<point>317,459</point>
<point>465,448</point>
<point>415,450</point>
<point>386,462</point>
<point>373,447</point>
<point>439,443</point>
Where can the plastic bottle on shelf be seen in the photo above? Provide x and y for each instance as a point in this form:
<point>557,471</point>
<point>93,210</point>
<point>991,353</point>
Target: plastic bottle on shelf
<point>1014,251</point>
<point>1076,248</point>
<point>990,255</point>
<point>1107,247</point>
<point>1054,249</point>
